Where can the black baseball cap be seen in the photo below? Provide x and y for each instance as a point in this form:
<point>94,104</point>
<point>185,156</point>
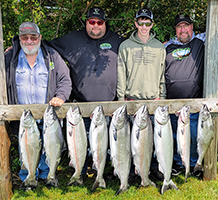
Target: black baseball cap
<point>182,18</point>
<point>96,12</point>
<point>144,13</point>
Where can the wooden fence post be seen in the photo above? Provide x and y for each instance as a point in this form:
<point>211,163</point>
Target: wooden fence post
<point>5,172</point>
<point>211,83</point>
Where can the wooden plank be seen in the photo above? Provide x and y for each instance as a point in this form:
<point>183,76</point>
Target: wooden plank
<point>211,82</point>
<point>211,51</point>
<point>14,112</point>
<point>210,164</point>
<point>5,172</point>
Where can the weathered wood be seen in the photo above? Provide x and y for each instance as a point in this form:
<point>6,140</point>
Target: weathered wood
<point>210,164</point>
<point>5,172</point>
<point>211,82</point>
<point>14,112</point>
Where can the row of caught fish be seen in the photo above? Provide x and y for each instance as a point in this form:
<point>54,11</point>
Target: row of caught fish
<point>123,145</point>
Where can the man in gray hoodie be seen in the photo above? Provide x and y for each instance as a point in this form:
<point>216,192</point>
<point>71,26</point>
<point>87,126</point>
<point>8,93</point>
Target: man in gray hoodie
<point>141,65</point>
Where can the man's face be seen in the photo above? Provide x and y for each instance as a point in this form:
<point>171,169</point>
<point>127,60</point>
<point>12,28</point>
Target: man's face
<point>144,26</point>
<point>95,28</point>
<point>30,43</point>
<point>184,32</point>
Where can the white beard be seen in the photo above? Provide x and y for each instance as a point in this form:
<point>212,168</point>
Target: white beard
<point>32,51</point>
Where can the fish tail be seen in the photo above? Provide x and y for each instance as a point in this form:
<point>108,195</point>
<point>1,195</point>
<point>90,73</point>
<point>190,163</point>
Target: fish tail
<point>198,168</point>
<point>30,182</point>
<point>186,176</point>
<point>147,183</point>
<point>52,182</point>
<point>122,189</point>
<point>75,181</point>
<point>168,185</point>
<point>99,183</point>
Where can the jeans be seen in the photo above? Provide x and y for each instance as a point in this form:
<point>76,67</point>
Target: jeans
<point>193,148</point>
<point>43,169</point>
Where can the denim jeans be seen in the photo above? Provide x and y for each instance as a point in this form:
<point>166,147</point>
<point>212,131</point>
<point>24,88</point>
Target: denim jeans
<point>193,148</point>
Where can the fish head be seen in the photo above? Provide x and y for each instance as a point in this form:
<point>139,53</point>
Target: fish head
<point>184,114</point>
<point>142,117</point>
<point>27,118</point>
<point>204,113</point>
<point>74,115</point>
<point>162,114</point>
<point>119,116</point>
<point>97,115</point>
<point>49,115</point>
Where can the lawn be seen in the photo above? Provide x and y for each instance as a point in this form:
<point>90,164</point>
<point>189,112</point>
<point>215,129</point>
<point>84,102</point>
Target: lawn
<point>194,188</point>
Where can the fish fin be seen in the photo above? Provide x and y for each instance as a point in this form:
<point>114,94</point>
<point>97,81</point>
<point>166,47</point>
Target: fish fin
<point>23,167</point>
<point>159,133</point>
<point>71,164</point>
<point>94,167</point>
<point>198,168</point>
<point>100,184</point>
<point>166,186</point>
<point>23,132</point>
<point>137,134</point>
<point>75,181</point>
<point>51,182</point>
<point>202,124</point>
<point>115,134</point>
<point>182,131</point>
<point>122,189</point>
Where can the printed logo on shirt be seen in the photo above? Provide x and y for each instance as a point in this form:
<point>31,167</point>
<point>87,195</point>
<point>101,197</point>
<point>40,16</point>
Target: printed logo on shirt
<point>105,46</point>
<point>181,53</point>
<point>51,65</point>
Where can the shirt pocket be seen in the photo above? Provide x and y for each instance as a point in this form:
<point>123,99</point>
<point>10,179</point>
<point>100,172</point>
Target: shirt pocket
<point>21,78</point>
<point>43,78</point>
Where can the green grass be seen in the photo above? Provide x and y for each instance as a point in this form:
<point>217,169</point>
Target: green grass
<point>194,188</point>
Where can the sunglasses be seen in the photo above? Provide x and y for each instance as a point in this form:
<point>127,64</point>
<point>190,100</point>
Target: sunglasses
<point>144,23</point>
<point>33,38</point>
<point>92,22</point>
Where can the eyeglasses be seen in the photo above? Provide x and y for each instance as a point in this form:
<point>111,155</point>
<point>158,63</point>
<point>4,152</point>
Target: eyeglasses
<point>184,26</point>
<point>92,22</point>
<point>33,38</point>
<point>144,23</point>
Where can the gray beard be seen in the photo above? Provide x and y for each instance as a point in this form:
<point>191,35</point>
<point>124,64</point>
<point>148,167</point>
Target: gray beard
<point>186,40</point>
<point>30,52</point>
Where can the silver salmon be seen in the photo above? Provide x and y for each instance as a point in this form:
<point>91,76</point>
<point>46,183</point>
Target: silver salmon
<point>205,135</point>
<point>119,134</point>
<point>53,143</point>
<point>163,141</point>
<point>30,146</point>
<point>98,137</point>
<point>142,144</point>
<point>184,138</point>
<point>77,144</point>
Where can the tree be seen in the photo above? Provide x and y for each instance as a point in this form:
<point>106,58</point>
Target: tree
<point>58,17</point>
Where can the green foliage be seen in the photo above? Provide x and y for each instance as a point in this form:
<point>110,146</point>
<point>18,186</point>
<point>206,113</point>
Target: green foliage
<point>59,17</point>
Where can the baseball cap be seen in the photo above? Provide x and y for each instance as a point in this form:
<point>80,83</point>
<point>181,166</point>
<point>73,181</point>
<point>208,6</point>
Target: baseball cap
<point>182,18</point>
<point>144,13</point>
<point>29,28</point>
<point>96,12</point>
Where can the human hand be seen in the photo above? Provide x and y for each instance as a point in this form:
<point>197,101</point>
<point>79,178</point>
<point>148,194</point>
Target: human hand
<point>9,48</point>
<point>55,101</point>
